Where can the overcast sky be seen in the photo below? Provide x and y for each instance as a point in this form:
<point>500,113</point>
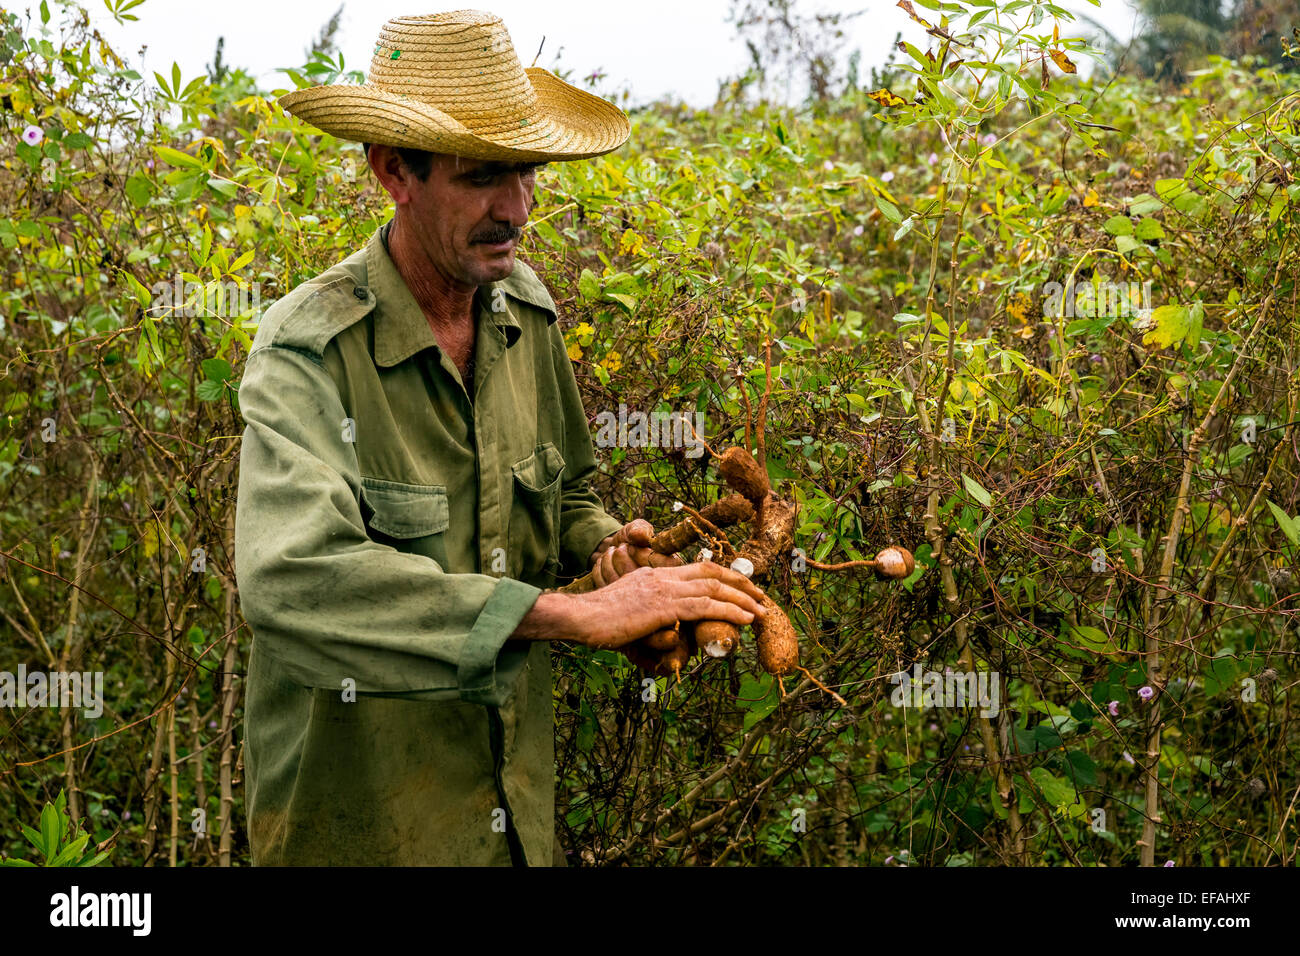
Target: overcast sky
<point>655,48</point>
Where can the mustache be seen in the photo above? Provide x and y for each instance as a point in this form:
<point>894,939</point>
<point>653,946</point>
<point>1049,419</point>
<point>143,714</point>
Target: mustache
<point>498,234</point>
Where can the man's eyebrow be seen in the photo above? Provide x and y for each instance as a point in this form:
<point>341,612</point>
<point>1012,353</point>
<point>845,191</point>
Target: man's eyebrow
<point>496,168</point>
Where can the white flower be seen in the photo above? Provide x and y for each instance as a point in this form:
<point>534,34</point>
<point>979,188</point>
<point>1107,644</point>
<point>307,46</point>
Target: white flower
<point>828,165</point>
<point>887,177</point>
<point>857,230</point>
<point>33,135</point>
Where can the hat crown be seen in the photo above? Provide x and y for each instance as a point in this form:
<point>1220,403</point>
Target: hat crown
<point>458,62</point>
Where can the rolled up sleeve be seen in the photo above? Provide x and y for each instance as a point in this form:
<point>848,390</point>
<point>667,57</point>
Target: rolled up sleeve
<point>323,598</point>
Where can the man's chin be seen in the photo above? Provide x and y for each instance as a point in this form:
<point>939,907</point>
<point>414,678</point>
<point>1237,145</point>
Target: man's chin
<point>493,267</point>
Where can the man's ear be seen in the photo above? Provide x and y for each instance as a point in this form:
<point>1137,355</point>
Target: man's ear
<point>392,173</point>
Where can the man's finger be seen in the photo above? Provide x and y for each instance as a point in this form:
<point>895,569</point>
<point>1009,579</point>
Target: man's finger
<point>709,609</point>
<point>622,561</point>
<point>697,570</point>
<point>719,591</point>
<point>608,570</point>
<point>639,532</point>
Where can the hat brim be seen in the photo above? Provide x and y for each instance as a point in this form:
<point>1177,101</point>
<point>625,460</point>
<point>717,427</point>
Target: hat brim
<point>568,123</point>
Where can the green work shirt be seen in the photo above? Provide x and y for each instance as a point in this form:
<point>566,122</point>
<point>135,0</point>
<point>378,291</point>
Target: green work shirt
<point>390,533</point>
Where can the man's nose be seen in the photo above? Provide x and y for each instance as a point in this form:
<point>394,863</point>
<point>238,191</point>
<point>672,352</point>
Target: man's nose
<point>513,202</point>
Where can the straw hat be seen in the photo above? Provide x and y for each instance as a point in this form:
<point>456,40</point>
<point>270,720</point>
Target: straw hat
<point>451,83</point>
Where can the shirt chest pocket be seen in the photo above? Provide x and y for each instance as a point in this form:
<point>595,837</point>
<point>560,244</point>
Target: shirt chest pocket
<point>535,515</point>
<point>410,518</point>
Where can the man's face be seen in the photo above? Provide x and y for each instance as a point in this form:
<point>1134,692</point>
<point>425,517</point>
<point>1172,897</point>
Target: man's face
<point>469,213</point>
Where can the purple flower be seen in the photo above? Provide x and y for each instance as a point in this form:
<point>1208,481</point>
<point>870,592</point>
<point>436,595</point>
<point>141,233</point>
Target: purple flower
<point>1095,358</point>
<point>33,135</point>
<point>857,230</point>
<point>887,176</point>
<point>828,165</point>
<point>988,139</point>
<point>148,164</point>
<point>1169,862</point>
<point>212,723</point>
<point>932,158</point>
<point>889,859</point>
<point>126,814</point>
<point>1113,706</point>
<point>934,726</point>
<point>1146,693</point>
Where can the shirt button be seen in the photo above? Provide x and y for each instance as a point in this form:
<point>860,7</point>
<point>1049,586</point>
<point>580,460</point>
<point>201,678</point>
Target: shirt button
<point>360,292</point>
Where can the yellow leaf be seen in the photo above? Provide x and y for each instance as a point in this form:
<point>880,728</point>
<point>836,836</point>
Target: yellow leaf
<point>1063,61</point>
<point>906,7</point>
<point>149,540</point>
<point>630,242</point>
<point>575,351</point>
<point>886,98</point>
<point>1091,199</point>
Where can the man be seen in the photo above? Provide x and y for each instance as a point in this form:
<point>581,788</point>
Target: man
<point>415,472</point>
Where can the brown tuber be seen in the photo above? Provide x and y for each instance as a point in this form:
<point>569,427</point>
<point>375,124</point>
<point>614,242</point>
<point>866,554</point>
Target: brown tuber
<point>717,638</point>
<point>778,645</point>
<point>663,653</point>
<point>743,474</point>
<point>894,563</point>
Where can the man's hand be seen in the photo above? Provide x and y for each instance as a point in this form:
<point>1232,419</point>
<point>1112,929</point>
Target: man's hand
<point>625,550</point>
<point>651,599</point>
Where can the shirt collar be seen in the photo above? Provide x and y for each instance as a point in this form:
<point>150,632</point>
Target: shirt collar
<point>401,329</point>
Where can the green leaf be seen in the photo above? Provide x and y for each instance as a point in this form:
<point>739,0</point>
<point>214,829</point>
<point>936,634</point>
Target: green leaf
<point>1289,525</point>
<point>1173,322</point>
<point>1170,189</point>
<point>1143,204</point>
<point>210,391</point>
<point>626,301</point>
<point>139,189</point>
<point>1149,229</point>
<point>1056,791</point>
<point>142,295</point>
<point>50,830</point>
<point>1092,638</point>
<point>77,141</point>
<point>995,800</point>
<point>223,187</point>
<point>70,852</point>
<point>217,369</point>
<point>177,158</point>
<point>759,699</point>
<point>977,491</point>
<point>35,839</point>
<point>589,285</point>
<point>1119,226</point>
<point>888,209</point>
